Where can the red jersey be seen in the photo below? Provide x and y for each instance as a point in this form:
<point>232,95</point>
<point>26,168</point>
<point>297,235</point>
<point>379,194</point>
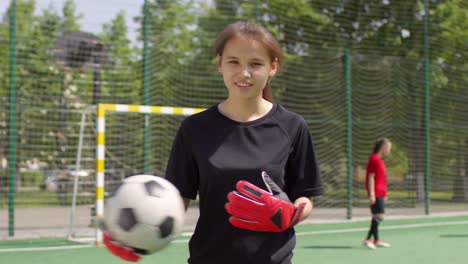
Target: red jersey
<point>377,166</point>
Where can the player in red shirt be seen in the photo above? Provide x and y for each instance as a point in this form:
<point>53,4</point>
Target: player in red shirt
<point>376,186</point>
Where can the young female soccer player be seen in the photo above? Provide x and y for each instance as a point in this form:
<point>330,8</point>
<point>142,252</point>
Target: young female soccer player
<point>376,186</point>
<point>251,162</point>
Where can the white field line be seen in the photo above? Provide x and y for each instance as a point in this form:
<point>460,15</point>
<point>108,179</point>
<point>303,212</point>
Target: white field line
<point>321,232</point>
<point>359,229</point>
<point>381,228</point>
<point>3,250</point>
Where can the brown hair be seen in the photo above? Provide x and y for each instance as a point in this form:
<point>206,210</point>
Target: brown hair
<point>258,33</point>
<point>379,144</point>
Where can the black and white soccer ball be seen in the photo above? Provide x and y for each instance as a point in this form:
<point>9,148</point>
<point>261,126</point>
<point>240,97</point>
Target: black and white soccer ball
<point>144,212</point>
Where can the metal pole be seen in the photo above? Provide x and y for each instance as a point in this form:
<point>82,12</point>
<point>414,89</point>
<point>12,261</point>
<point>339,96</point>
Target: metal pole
<point>427,111</point>
<point>256,11</point>
<point>77,169</point>
<point>146,84</point>
<point>12,131</point>
<point>349,133</point>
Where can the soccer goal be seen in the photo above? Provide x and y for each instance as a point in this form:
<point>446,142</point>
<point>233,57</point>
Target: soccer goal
<point>117,141</point>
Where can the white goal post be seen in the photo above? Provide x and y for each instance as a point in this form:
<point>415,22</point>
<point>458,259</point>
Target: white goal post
<point>101,111</point>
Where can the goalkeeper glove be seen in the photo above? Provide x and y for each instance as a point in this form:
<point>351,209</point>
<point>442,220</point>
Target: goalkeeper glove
<point>253,208</point>
<point>119,250</point>
<point>116,248</point>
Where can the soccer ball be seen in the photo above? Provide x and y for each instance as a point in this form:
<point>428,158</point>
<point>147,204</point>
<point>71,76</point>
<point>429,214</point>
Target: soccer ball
<point>145,213</point>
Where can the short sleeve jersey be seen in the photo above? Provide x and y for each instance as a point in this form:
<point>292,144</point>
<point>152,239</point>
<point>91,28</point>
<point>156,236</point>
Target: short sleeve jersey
<point>377,166</point>
<point>211,153</point>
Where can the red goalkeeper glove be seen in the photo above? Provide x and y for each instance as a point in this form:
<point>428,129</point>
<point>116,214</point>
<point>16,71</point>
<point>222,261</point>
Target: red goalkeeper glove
<point>116,248</point>
<point>253,208</point>
<point>119,250</point>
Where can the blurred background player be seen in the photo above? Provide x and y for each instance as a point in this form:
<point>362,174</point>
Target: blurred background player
<point>376,186</point>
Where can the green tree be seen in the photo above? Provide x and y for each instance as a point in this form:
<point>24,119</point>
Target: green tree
<point>170,42</point>
<point>123,78</point>
<point>122,84</point>
<point>69,21</point>
<point>38,76</point>
<point>449,78</point>
<point>24,28</point>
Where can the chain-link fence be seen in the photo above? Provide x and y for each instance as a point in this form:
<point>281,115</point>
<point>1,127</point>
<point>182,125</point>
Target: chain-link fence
<point>356,70</point>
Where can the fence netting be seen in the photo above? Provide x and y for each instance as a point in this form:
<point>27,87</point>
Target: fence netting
<point>356,71</point>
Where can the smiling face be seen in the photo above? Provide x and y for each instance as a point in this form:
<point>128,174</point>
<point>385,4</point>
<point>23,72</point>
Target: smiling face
<point>246,67</point>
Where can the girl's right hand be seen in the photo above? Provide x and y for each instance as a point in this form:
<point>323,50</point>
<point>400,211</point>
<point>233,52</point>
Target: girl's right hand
<point>119,250</point>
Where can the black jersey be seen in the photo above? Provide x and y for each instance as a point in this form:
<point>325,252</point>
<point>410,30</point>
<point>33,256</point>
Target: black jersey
<point>211,153</point>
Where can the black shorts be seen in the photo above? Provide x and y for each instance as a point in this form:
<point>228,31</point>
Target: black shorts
<point>379,206</point>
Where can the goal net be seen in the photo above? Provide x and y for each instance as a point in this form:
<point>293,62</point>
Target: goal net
<point>117,141</point>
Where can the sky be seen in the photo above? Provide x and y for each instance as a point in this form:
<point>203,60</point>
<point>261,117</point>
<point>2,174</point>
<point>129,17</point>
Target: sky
<point>94,12</point>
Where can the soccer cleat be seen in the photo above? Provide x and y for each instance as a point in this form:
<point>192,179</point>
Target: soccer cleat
<point>380,243</point>
<point>369,244</point>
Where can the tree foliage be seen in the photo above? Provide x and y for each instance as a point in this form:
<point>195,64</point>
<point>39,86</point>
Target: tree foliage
<point>386,40</point>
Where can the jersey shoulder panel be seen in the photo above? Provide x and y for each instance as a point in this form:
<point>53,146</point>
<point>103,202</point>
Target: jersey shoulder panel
<point>288,117</point>
<point>208,115</point>
<point>290,122</point>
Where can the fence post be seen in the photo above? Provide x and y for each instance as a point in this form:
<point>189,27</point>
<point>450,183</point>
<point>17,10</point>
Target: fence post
<point>427,110</point>
<point>12,132</point>
<point>146,85</point>
<point>256,11</point>
<point>349,133</point>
